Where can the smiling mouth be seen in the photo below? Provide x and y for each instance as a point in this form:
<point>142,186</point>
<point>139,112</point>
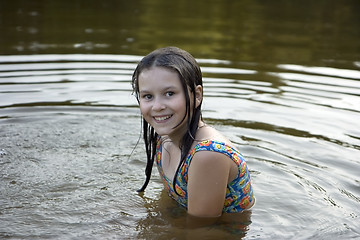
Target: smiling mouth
<point>162,118</point>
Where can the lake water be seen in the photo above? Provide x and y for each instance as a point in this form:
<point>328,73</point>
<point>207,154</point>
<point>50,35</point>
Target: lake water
<point>281,80</point>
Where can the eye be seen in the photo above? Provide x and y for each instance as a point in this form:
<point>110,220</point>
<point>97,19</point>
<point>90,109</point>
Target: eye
<point>146,96</point>
<point>169,94</point>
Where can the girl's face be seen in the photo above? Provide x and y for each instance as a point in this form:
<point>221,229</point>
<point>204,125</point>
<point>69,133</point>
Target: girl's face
<point>162,101</point>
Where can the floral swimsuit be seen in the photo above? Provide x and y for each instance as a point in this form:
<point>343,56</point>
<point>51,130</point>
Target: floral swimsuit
<point>239,193</point>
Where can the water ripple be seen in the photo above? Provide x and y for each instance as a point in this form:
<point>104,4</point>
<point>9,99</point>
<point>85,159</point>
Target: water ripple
<point>69,123</point>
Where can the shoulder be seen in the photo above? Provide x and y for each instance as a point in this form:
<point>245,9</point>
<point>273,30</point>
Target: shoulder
<point>209,147</point>
<point>209,132</point>
<point>210,159</point>
<point>211,150</point>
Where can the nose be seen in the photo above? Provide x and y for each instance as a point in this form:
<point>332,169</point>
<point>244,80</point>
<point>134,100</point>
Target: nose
<point>158,105</point>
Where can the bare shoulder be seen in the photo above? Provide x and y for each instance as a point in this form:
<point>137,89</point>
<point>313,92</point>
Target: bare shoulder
<point>210,164</point>
<point>210,133</point>
<point>209,158</point>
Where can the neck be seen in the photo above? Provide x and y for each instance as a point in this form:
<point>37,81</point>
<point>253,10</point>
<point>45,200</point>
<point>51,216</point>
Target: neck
<point>176,137</point>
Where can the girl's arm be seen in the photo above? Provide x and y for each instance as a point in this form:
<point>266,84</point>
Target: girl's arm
<point>207,180</point>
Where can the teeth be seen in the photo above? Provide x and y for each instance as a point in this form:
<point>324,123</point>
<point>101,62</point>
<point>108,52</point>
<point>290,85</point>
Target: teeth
<point>162,118</point>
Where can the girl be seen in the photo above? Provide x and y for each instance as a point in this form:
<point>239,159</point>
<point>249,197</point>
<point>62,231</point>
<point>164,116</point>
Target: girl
<point>200,168</point>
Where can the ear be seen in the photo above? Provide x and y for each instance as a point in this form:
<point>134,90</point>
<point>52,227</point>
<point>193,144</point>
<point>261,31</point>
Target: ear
<point>198,95</point>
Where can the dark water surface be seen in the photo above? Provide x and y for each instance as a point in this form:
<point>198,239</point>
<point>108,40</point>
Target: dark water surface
<point>281,80</point>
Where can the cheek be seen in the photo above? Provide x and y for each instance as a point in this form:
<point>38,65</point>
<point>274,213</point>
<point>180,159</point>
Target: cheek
<point>143,108</point>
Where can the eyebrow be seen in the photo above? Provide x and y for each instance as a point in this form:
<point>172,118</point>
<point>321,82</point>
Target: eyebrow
<point>164,89</point>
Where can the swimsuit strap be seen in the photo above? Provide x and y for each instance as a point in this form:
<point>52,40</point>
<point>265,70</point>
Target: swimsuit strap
<point>217,146</point>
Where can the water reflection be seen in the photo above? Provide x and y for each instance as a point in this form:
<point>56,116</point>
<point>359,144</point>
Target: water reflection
<point>260,32</point>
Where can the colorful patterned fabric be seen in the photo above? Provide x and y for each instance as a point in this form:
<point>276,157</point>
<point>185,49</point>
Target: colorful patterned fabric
<point>239,193</point>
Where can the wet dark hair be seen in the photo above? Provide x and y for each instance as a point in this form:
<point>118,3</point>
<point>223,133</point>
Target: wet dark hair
<point>182,62</point>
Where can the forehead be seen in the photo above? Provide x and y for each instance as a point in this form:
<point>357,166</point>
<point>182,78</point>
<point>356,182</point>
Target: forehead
<point>156,77</point>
